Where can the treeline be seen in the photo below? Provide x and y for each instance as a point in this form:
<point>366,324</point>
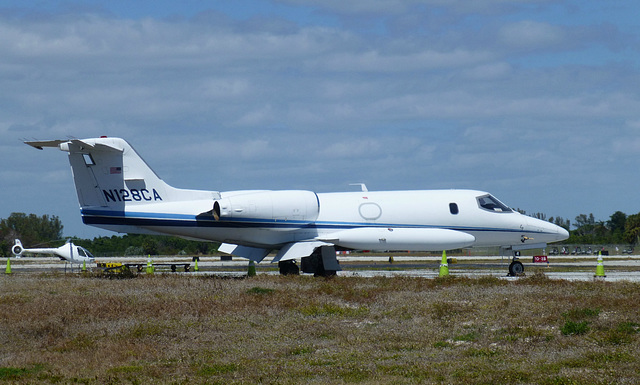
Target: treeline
<point>619,228</point>
<point>139,244</point>
<point>46,231</point>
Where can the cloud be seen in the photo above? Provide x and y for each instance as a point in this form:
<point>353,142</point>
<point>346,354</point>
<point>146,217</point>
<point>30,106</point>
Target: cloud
<point>373,61</point>
<point>387,7</point>
<point>530,35</point>
<point>316,94</point>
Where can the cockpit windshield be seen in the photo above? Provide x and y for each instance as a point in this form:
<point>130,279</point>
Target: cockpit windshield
<point>490,203</point>
<point>84,252</point>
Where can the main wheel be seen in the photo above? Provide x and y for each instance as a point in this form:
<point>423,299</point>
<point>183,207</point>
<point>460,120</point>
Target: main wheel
<point>288,268</point>
<point>516,268</point>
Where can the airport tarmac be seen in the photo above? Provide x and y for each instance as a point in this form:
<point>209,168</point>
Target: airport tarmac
<point>571,268</point>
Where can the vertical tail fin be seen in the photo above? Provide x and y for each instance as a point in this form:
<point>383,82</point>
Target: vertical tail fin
<point>118,191</point>
<point>110,175</point>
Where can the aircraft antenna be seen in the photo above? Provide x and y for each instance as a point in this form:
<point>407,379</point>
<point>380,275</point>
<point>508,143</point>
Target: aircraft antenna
<point>362,186</point>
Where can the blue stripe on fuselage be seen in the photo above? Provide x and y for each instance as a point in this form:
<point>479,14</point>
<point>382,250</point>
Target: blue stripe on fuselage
<point>107,217</point>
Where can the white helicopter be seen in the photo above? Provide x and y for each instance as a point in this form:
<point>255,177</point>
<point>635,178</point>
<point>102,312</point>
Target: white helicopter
<point>68,252</point>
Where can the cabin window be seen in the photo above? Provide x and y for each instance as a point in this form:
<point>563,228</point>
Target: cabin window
<point>453,208</point>
<point>489,203</point>
<point>88,160</point>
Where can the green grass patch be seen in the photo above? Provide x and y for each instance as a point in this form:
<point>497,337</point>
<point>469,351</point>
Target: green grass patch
<point>480,352</point>
<point>14,374</point>
<point>628,327</point>
<point>441,344</point>
<point>468,337</point>
<point>574,328</point>
<point>355,374</point>
<point>623,333</point>
<point>146,329</point>
<point>301,350</point>
<point>260,290</point>
<point>580,314</point>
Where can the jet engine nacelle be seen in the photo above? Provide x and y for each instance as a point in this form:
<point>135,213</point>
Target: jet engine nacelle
<point>294,205</point>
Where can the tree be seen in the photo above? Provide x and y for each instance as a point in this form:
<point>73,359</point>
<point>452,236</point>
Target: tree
<point>31,229</point>
<point>559,221</point>
<point>589,231</point>
<point>632,229</point>
<point>150,246</point>
<point>584,220</point>
<point>616,225</point>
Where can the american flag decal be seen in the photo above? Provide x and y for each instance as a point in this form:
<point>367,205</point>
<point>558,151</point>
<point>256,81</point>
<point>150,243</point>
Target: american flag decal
<point>115,170</point>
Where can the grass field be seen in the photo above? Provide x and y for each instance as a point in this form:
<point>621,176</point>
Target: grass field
<point>174,329</point>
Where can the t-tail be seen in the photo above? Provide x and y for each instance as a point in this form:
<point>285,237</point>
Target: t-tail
<point>116,188</point>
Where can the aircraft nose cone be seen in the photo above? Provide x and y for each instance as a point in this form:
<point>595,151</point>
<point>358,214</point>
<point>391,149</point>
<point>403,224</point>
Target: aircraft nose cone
<point>562,233</point>
<point>554,233</point>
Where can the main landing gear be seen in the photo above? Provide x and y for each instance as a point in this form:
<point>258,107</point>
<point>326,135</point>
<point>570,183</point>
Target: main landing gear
<point>315,263</point>
<point>321,263</point>
<point>288,268</point>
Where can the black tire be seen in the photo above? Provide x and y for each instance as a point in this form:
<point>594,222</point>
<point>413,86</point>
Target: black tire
<point>516,268</point>
<point>288,268</point>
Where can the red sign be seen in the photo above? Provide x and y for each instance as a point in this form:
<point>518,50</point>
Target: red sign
<point>540,259</point>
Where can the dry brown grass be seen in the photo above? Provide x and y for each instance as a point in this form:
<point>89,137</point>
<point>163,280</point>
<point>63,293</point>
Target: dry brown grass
<point>291,330</point>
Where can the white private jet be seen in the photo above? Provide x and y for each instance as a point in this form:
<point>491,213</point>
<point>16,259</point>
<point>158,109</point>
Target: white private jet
<point>68,252</point>
<point>118,191</point>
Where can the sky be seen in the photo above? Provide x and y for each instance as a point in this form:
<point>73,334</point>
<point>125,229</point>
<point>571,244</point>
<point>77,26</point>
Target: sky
<point>537,102</point>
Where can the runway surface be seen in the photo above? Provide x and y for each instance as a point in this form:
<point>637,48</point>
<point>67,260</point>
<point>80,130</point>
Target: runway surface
<point>572,268</point>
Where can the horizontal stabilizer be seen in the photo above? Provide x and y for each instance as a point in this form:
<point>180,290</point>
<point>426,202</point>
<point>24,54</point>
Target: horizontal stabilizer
<point>298,250</point>
<point>252,253</point>
<point>41,144</point>
<point>64,144</point>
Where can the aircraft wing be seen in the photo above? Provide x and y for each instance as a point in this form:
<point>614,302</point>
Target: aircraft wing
<point>298,250</point>
<point>290,251</point>
<point>252,253</point>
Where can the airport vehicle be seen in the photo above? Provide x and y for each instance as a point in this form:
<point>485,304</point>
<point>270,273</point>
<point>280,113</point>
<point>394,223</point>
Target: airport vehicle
<point>118,191</point>
<point>68,252</point>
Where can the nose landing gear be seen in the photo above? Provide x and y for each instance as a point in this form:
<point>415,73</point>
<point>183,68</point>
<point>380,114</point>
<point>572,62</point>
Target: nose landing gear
<point>516,268</point>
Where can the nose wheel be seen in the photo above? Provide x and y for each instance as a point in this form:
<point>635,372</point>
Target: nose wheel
<point>516,268</point>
